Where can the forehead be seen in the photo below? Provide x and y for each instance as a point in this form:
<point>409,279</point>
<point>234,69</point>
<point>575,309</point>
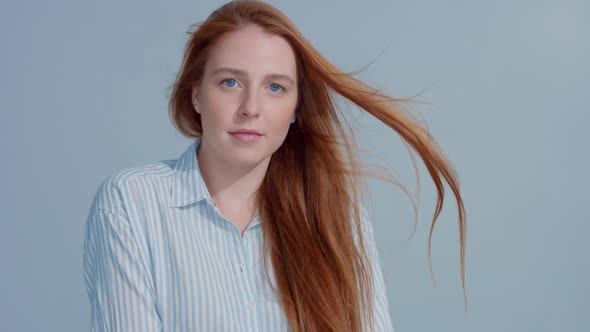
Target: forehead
<point>254,51</point>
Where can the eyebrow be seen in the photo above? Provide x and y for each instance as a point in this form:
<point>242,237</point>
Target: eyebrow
<point>242,73</point>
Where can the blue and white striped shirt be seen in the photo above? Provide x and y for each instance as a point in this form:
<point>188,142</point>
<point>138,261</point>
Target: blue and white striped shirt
<point>160,256</point>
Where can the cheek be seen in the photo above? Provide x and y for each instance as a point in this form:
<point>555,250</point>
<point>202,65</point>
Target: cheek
<point>284,112</point>
<point>280,122</point>
<point>217,110</point>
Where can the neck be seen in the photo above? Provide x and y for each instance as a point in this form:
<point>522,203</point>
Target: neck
<point>230,184</point>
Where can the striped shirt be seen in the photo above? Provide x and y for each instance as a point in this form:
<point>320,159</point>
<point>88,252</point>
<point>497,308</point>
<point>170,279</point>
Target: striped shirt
<point>159,256</point>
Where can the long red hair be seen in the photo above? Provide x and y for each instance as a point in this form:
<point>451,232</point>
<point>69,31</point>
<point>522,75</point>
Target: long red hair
<point>314,185</point>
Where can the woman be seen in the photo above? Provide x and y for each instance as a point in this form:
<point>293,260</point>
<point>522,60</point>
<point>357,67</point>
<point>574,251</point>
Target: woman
<point>255,226</point>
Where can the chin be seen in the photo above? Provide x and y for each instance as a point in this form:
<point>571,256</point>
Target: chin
<point>244,157</point>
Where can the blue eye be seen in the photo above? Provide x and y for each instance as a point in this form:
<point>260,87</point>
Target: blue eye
<point>275,87</point>
<point>230,82</point>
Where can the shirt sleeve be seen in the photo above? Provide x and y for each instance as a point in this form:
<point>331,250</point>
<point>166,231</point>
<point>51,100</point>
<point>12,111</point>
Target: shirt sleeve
<point>116,280</point>
<point>383,322</point>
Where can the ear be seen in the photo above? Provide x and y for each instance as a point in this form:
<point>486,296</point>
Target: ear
<point>195,98</point>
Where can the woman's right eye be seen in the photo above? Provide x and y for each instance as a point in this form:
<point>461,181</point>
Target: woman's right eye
<point>229,82</point>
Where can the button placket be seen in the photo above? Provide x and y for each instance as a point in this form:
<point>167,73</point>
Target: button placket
<point>240,254</point>
<point>250,305</point>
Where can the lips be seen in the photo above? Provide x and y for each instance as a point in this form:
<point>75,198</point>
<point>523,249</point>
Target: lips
<point>246,135</point>
<point>246,132</point>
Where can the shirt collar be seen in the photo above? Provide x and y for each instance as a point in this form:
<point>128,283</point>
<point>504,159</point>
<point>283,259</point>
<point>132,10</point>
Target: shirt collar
<point>188,186</point>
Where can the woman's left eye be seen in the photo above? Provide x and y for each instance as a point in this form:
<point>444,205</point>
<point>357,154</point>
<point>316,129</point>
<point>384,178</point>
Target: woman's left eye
<point>276,87</point>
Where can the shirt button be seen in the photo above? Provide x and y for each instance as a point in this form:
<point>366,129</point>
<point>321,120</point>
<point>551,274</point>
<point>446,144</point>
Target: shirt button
<point>250,305</point>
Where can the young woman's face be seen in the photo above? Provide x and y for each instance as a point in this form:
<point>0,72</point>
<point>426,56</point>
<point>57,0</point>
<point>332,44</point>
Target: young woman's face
<point>249,84</point>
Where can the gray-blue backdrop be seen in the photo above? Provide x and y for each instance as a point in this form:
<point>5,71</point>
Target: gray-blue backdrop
<point>84,93</point>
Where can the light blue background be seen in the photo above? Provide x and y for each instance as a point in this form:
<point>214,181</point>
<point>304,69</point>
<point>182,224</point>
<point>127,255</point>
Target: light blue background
<point>84,93</point>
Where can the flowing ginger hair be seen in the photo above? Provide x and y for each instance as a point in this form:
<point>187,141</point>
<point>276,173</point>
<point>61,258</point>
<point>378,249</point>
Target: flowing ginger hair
<point>313,182</point>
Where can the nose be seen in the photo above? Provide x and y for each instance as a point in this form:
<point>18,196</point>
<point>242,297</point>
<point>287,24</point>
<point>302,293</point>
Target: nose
<point>250,106</point>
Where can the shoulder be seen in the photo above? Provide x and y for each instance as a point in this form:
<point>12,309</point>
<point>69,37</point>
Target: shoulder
<point>115,190</point>
<point>365,218</point>
<point>365,223</point>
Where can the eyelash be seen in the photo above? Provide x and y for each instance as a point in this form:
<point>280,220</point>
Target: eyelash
<point>234,79</point>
